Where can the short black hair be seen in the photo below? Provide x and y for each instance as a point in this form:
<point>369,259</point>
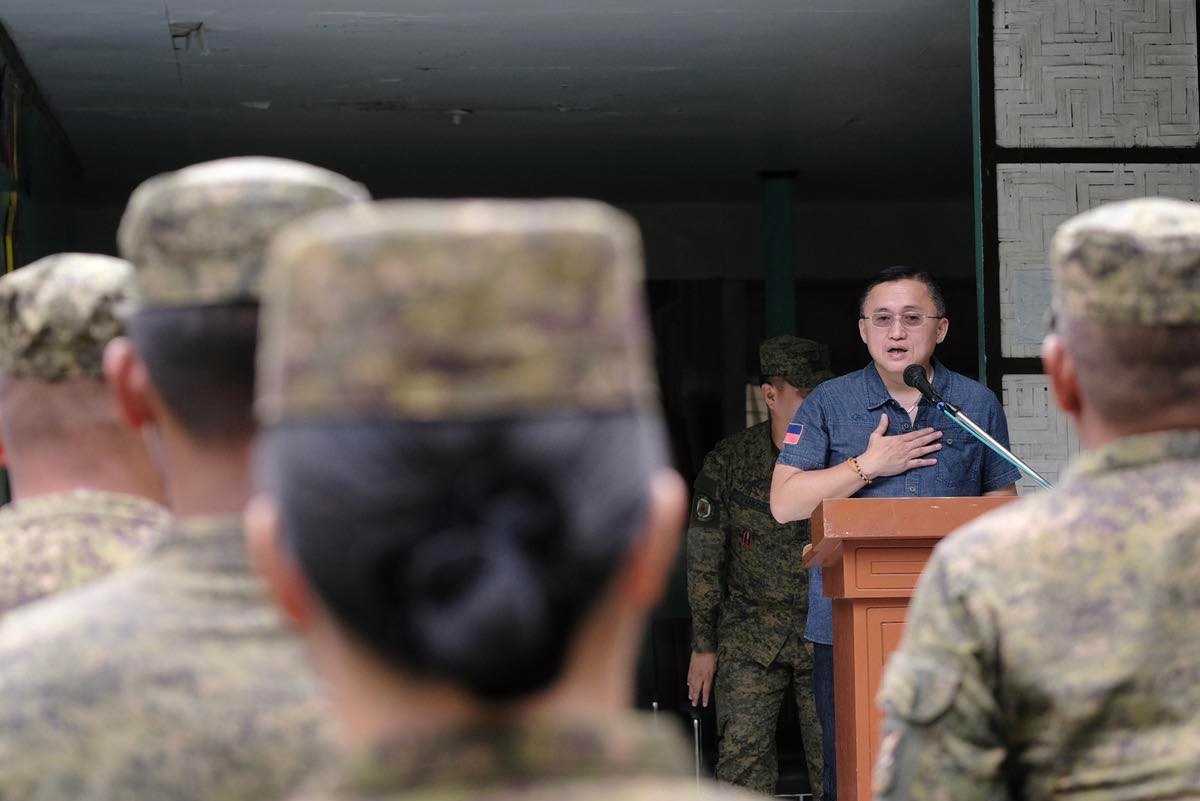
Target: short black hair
<point>467,552</point>
<point>201,360</point>
<point>899,272</point>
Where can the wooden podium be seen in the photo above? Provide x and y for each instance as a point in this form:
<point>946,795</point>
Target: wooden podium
<point>871,551</point>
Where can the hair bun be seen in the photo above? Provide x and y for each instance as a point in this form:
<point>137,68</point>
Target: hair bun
<point>467,553</point>
<point>476,588</point>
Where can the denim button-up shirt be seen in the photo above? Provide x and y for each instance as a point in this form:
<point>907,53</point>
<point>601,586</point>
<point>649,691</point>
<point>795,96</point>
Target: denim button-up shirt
<point>838,418</point>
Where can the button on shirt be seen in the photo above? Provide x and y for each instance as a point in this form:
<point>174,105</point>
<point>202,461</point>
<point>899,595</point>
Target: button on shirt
<point>838,418</point>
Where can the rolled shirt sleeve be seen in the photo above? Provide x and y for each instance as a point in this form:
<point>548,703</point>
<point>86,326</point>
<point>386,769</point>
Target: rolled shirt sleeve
<point>806,443</point>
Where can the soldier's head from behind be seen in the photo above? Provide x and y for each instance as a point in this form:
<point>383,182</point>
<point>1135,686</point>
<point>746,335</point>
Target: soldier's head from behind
<point>789,367</point>
<point>60,426</point>
<point>1124,353</point>
<point>197,240</point>
<point>463,458</point>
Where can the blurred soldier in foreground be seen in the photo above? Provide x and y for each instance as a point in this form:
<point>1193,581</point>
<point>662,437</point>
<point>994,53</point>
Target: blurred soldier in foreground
<point>748,588</point>
<point>469,515</point>
<point>1052,647</point>
<point>86,497</point>
<point>174,678</point>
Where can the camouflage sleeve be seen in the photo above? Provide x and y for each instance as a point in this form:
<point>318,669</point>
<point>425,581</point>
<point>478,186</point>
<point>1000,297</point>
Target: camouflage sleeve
<point>706,555</point>
<point>942,738</point>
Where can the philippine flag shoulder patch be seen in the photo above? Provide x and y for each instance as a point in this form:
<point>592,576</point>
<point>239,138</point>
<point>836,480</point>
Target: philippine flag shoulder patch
<point>794,432</point>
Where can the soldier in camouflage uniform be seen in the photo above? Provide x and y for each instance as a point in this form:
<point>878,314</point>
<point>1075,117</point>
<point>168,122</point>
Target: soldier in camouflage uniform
<point>86,497</point>
<point>174,679</point>
<point>1052,646</point>
<point>479,390</point>
<point>747,587</point>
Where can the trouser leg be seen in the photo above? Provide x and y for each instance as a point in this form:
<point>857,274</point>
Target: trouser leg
<point>748,697</point>
<point>823,696</point>
<point>810,726</point>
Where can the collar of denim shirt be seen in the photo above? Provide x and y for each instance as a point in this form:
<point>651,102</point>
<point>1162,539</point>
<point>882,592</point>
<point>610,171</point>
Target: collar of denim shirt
<point>875,394</point>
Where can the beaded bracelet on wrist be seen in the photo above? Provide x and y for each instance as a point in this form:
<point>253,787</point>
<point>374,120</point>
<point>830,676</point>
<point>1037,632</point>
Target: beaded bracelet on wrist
<point>858,469</point>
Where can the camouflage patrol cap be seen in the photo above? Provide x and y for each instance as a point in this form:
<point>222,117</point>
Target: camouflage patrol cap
<point>428,310</point>
<point>796,360</point>
<point>57,314</point>
<point>199,235</point>
<point>1132,262</point>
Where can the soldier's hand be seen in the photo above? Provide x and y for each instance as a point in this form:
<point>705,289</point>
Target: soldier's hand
<point>701,670</point>
<point>890,456</point>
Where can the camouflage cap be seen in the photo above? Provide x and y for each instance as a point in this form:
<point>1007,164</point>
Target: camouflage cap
<point>1132,262</point>
<point>798,361</point>
<point>199,235</point>
<point>430,310</point>
<point>57,314</point>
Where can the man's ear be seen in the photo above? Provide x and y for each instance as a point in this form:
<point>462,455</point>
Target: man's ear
<point>129,382</point>
<point>862,330</point>
<point>276,565</point>
<point>943,329</point>
<point>768,395</point>
<point>1060,370</point>
<point>653,552</point>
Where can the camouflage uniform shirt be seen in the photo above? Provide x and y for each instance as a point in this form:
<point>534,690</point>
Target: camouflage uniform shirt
<point>1053,646</point>
<point>170,680</point>
<point>747,587</point>
<point>627,757</point>
<point>61,540</point>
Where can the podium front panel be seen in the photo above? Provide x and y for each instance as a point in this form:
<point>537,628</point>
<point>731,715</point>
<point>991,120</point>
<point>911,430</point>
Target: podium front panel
<point>889,567</point>
<point>885,626</point>
<point>870,629</point>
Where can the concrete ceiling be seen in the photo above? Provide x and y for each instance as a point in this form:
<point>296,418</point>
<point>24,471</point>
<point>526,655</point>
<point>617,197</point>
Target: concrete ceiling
<point>680,98</point>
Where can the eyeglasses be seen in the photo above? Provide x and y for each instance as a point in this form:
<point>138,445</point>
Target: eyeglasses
<point>907,319</point>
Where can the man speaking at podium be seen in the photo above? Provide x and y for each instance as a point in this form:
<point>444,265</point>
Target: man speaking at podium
<point>868,434</point>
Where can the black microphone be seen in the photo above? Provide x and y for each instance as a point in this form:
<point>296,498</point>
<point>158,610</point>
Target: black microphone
<point>914,376</point>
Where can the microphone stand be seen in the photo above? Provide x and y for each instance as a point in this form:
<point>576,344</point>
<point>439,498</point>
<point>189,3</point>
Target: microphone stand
<point>969,425</point>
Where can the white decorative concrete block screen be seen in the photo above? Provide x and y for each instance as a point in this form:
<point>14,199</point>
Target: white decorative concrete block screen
<point>1096,73</point>
<point>1033,200</point>
<point>1040,433</point>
